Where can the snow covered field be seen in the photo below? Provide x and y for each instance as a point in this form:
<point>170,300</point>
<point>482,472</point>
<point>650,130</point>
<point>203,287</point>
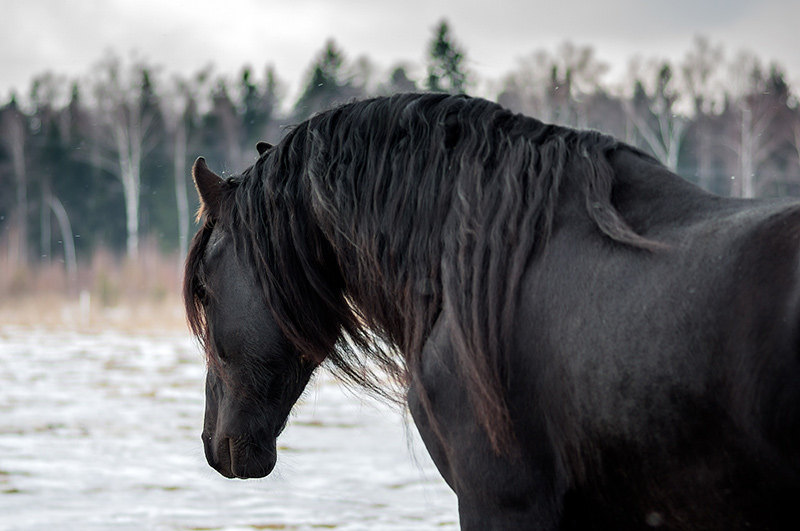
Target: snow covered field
<point>102,431</point>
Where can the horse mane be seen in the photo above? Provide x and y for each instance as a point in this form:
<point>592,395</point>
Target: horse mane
<point>367,221</point>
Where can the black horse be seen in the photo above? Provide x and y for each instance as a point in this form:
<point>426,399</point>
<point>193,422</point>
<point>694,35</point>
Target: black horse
<point>586,340</point>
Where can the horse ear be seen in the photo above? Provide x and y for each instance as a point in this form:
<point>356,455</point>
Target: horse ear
<point>209,188</point>
<point>262,147</point>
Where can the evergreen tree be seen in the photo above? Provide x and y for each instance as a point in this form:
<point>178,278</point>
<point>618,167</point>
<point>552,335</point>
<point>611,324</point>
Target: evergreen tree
<point>257,107</point>
<point>253,114</point>
<point>158,213</point>
<point>88,194</point>
<point>222,132</point>
<point>271,103</point>
<point>446,71</point>
<point>326,84</point>
<point>48,151</point>
<point>398,82</point>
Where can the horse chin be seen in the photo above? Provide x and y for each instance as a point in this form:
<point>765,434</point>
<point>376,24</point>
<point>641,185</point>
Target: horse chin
<point>253,468</point>
<point>251,459</point>
<point>242,459</point>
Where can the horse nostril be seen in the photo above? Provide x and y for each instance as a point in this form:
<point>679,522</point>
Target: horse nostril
<point>220,456</point>
<point>225,463</point>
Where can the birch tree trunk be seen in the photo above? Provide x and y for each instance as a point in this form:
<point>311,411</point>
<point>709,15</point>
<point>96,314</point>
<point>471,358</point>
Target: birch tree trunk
<point>125,135</point>
<point>699,70</point>
<point>756,142</point>
<point>746,186</point>
<point>664,138</point>
<point>70,260</point>
<point>181,197</point>
<point>14,138</point>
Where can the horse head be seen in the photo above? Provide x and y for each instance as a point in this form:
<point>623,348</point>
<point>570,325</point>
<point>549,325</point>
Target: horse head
<point>254,374</point>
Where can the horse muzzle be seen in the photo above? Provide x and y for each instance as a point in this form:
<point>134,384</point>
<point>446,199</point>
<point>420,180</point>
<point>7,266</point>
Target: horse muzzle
<point>238,457</point>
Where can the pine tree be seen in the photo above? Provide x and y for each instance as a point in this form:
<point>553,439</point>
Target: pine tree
<point>82,187</point>
<point>326,85</point>
<point>398,82</point>
<point>253,114</point>
<point>257,105</point>
<point>445,67</point>
<point>222,131</point>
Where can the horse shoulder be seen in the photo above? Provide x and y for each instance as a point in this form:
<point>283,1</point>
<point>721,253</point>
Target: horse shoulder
<point>519,489</point>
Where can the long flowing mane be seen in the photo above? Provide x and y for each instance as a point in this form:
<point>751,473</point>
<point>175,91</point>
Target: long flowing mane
<point>368,221</point>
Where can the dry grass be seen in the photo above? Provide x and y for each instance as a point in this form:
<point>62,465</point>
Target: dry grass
<point>107,293</point>
<point>54,311</point>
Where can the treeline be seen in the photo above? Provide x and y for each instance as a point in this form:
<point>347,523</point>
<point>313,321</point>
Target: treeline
<point>104,162</point>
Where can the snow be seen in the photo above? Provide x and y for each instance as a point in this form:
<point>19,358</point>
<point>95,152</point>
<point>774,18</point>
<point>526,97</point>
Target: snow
<point>101,431</point>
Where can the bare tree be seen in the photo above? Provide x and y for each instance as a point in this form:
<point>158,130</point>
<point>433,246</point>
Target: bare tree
<point>180,136</point>
<point>362,74</point>
<point>124,120</point>
<point>47,91</point>
<point>180,116</point>
<point>13,134</point>
<point>70,260</point>
<point>698,70</point>
<point>553,87</point>
<point>654,116</point>
<point>756,109</point>
<point>526,89</point>
<point>576,74</point>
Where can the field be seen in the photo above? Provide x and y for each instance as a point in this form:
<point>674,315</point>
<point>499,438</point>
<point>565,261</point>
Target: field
<point>100,429</point>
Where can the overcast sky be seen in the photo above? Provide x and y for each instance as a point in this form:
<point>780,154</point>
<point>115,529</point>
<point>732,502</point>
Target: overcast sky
<point>68,37</point>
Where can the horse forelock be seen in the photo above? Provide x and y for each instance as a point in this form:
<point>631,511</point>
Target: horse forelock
<point>367,221</point>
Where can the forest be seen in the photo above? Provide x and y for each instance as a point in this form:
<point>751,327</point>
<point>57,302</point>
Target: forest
<point>95,171</point>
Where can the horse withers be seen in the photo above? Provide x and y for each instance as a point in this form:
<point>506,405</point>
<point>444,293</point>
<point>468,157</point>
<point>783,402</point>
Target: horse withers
<point>585,340</point>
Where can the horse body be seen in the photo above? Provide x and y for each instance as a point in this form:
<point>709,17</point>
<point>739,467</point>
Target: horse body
<point>634,392</point>
<point>648,371</point>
